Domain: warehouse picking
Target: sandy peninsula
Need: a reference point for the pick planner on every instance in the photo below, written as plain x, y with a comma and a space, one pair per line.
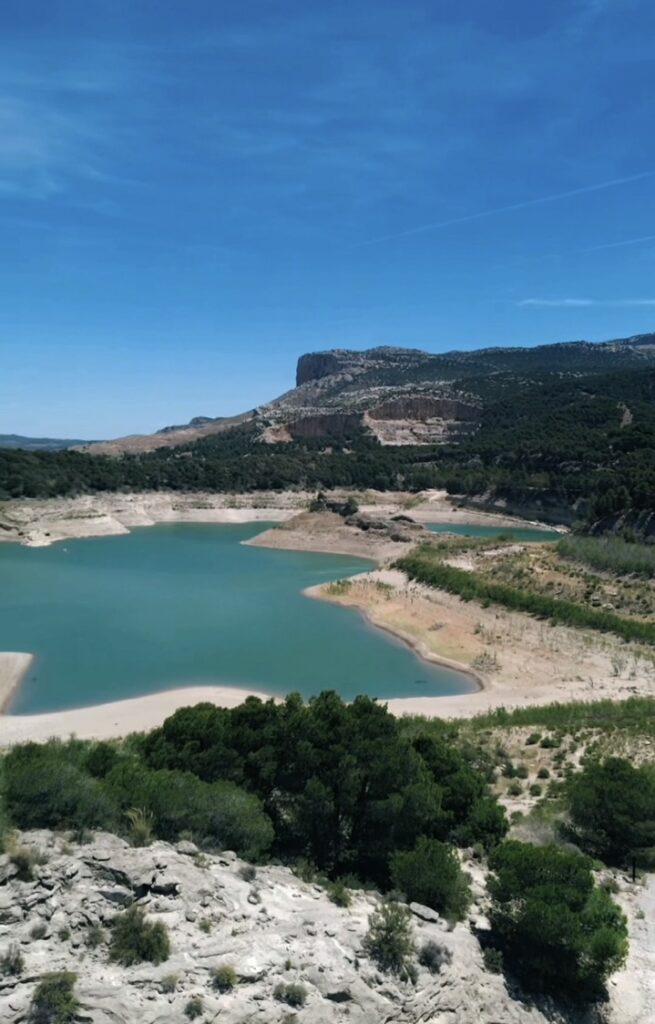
518, 660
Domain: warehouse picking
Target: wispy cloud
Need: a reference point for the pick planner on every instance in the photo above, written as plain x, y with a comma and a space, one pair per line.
573, 303
510, 207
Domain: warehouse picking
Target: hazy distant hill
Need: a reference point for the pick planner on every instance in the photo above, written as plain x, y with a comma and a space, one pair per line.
38, 444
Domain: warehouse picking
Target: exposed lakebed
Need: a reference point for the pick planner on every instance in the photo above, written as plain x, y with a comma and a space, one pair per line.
177, 605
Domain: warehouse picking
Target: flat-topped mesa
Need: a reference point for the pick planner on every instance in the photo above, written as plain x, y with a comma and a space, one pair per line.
316, 365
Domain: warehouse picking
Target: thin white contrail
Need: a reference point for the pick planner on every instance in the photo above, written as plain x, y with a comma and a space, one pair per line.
618, 245
506, 209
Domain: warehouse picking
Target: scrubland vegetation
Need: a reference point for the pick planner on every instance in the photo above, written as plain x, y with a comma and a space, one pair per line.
353, 797
533, 581
609, 554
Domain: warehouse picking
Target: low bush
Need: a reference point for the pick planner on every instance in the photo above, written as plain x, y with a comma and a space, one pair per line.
135, 939
54, 1000
389, 939
95, 936
24, 859
195, 1007
434, 957
224, 977
339, 894
12, 961
493, 960
39, 930
292, 993
140, 826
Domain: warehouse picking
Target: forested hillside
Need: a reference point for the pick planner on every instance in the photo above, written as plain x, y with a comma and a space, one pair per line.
579, 439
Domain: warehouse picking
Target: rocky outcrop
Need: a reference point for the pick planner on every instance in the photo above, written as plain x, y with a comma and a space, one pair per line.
272, 928
529, 504
327, 425
425, 407
316, 365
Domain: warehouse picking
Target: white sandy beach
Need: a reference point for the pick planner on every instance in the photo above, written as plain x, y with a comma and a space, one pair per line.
13, 666
119, 718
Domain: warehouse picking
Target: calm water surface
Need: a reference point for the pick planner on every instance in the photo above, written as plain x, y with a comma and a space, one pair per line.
177, 605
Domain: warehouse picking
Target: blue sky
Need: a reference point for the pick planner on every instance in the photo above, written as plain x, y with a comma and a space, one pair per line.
192, 194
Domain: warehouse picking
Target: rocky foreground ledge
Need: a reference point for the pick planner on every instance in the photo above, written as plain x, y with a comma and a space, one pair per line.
268, 925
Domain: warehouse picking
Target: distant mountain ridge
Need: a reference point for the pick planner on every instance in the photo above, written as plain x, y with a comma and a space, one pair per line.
39, 444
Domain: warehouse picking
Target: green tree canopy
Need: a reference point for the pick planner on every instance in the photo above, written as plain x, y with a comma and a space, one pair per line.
612, 807
559, 931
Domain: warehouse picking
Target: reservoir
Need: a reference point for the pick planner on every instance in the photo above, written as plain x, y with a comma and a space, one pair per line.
180, 605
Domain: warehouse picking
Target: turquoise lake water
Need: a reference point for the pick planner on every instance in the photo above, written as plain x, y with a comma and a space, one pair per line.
517, 532
176, 605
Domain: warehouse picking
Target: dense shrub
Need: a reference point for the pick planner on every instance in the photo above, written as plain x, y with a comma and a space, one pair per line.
46, 786
135, 939
342, 786
558, 931
54, 1000
430, 874
612, 807
218, 813
389, 939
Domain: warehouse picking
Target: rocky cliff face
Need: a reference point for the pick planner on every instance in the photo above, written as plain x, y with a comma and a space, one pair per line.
428, 396
271, 929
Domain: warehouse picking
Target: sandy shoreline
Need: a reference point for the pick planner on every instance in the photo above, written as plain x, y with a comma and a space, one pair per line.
519, 660
319, 593
117, 718
13, 667
37, 522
